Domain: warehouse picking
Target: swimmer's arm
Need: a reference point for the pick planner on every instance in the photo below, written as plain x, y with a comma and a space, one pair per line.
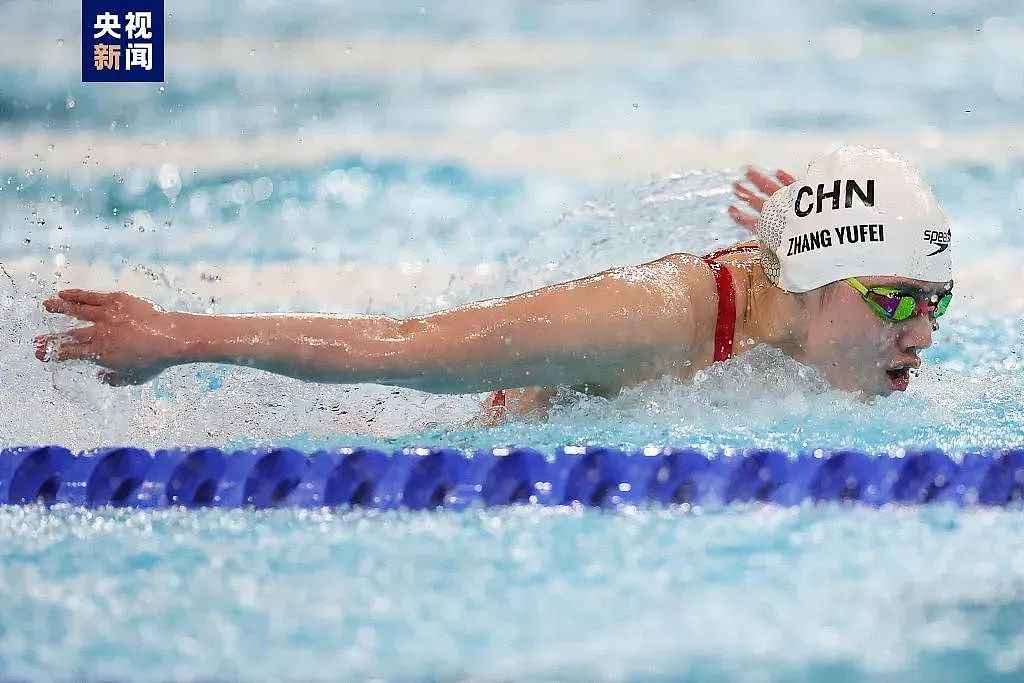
622, 322
596, 329
604, 329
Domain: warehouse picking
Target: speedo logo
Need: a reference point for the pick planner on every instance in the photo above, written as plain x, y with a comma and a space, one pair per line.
937, 238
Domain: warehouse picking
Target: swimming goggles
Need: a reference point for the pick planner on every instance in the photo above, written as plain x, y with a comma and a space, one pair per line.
895, 304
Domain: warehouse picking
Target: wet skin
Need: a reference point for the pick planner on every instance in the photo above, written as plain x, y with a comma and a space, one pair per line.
602, 332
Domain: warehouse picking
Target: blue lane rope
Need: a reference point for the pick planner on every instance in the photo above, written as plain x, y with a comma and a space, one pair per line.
431, 478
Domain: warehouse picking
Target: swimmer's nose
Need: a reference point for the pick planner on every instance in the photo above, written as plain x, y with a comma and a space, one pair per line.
915, 333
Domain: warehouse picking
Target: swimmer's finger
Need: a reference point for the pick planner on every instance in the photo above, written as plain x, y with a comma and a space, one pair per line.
74, 351
762, 182
785, 177
755, 200
75, 310
46, 343
75, 334
85, 296
747, 220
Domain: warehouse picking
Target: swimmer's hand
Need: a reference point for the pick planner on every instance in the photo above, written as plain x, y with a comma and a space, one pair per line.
131, 338
766, 186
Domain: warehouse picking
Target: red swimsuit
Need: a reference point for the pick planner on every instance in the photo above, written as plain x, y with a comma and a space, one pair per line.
725, 326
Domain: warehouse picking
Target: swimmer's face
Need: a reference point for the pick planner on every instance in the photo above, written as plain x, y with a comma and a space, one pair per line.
858, 351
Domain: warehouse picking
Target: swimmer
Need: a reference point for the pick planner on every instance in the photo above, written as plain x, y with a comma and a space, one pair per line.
850, 270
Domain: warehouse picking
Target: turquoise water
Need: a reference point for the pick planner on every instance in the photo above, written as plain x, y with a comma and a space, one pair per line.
751, 594
403, 157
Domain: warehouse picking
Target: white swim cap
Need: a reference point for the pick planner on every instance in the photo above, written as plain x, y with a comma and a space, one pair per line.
857, 211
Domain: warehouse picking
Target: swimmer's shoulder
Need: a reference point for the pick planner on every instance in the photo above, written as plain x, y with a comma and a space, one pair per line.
686, 273
692, 286
693, 270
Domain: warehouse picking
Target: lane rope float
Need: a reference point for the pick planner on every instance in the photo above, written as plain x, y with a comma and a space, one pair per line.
450, 478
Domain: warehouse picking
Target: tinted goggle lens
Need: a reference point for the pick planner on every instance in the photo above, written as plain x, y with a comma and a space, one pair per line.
898, 306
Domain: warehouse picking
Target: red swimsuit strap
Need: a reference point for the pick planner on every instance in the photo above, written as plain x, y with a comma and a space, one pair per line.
734, 249
725, 327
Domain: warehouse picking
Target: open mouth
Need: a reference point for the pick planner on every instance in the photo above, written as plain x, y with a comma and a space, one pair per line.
899, 378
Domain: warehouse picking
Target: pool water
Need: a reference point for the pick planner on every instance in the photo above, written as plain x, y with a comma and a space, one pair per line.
406, 157
748, 594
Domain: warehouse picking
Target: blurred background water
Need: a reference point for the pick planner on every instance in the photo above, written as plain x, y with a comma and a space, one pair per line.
403, 157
